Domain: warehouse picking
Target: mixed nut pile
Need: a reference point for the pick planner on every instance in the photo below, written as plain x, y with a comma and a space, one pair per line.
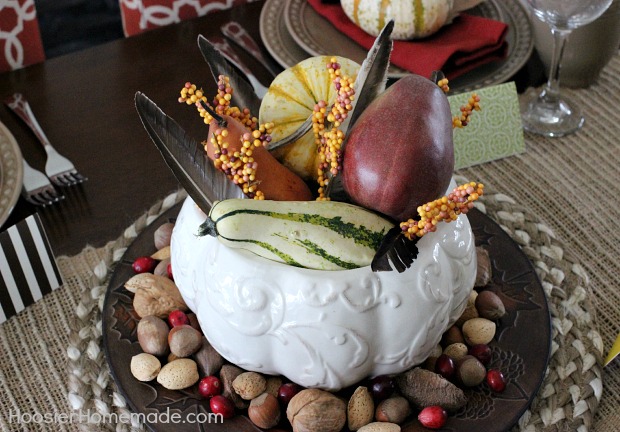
169, 333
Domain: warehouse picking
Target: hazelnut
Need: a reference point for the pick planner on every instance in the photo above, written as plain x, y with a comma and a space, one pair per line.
394, 410
264, 411
313, 410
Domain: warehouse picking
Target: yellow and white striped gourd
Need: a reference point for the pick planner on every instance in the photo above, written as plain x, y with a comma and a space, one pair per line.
290, 101
322, 235
412, 18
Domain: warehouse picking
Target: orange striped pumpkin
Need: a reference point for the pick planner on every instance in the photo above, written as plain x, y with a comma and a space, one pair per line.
290, 101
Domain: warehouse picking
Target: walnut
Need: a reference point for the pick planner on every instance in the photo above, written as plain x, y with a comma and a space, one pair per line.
155, 295
314, 410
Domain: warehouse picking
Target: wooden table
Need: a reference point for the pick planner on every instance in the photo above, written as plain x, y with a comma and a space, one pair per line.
84, 102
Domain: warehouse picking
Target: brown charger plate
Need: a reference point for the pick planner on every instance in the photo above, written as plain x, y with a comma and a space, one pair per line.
521, 348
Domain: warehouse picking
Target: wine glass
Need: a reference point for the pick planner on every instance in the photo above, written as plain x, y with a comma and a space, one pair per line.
546, 113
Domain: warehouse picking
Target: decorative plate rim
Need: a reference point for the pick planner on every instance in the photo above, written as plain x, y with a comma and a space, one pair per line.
11, 172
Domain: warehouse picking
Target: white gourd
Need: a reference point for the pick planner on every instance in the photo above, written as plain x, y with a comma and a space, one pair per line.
413, 19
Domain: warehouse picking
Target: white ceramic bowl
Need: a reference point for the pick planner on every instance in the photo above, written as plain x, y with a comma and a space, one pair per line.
324, 329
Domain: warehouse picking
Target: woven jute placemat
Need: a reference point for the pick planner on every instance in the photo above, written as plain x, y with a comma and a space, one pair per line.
569, 396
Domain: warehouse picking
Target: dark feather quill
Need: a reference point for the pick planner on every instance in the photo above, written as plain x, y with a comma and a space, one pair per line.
397, 249
243, 95
204, 183
372, 77
370, 83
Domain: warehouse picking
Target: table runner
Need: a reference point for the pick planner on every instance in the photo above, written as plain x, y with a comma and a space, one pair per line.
560, 192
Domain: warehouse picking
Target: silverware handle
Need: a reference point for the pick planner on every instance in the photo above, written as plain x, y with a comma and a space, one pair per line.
234, 31
20, 106
229, 54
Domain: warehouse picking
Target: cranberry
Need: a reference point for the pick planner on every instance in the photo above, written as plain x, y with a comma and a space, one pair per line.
433, 417
209, 386
482, 352
287, 391
144, 264
382, 387
445, 366
222, 405
169, 271
496, 380
177, 318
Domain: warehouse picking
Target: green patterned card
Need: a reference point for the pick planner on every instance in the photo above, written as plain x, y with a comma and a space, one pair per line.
495, 132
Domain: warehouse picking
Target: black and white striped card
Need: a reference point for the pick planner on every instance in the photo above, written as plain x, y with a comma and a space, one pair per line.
28, 269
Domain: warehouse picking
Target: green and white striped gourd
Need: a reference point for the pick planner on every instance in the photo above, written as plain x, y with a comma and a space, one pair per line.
322, 235
412, 18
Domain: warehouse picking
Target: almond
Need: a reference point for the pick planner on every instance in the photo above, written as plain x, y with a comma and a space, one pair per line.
360, 409
145, 367
162, 254
380, 427
456, 350
478, 331
249, 385
178, 374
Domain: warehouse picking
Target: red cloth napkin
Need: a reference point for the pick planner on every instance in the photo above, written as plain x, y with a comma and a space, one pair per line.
468, 42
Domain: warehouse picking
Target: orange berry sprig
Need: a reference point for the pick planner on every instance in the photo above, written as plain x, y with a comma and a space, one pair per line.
473, 104
443, 84
239, 166
329, 142
444, 209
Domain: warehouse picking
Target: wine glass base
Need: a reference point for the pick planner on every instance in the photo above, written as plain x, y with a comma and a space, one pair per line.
550, 119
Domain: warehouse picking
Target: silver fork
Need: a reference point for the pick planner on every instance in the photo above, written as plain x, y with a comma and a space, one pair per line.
58, 168
37, 189
235, 32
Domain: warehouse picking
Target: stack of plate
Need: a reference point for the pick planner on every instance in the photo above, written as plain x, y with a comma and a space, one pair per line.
292, 31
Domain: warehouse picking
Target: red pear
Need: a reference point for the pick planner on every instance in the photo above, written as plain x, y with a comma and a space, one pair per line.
400, 154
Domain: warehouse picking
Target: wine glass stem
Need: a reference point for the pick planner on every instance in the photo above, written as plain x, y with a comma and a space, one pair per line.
551, 92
